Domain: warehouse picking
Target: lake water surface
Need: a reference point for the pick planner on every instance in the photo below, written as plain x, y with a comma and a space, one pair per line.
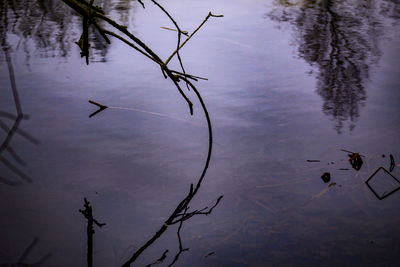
288, 81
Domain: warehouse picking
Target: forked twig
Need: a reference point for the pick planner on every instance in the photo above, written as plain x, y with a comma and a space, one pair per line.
191, 35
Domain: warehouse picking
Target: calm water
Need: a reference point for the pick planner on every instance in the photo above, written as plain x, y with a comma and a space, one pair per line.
289, 81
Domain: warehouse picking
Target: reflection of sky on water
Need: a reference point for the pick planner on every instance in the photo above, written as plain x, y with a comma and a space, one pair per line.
267, 122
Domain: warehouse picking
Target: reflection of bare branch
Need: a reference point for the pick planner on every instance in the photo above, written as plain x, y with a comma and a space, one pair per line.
15, 156
90, 16
160, 260
204, 211
181, 249
28, 250
15, 170
21, 132
140, 1
7, 115
179, 213
10, 133
8, 182
5, 145
42, 259
22, 258
180, 32
12, 81
191, 35
88, 213
27, 136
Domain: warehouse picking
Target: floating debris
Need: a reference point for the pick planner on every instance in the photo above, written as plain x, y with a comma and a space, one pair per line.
344, 169
209, 254
385, 193
326, 177
101, 108
313, 160
351, 152
330, 186
392, 163
356, 161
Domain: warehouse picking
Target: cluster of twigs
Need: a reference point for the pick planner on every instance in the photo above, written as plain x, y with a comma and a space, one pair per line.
91, 16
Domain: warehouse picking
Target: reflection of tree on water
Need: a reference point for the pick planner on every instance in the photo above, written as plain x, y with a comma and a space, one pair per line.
43, 23
5, 146
22, 259
48, 26
340, 38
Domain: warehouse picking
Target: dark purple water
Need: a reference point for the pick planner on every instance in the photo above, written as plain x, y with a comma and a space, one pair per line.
288, 82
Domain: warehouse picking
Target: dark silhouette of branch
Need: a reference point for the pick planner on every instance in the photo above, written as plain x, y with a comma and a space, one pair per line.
19, 131
90, 16
140, 1
160, 260
185, 216
28, 250
180, 32
12, 80
15, 170
8, 182
191, 35
177, 215
101, 108
181, 249
7, 115
85, 10
88, 213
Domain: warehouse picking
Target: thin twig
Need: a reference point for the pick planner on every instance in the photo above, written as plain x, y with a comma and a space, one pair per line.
140, 1
179, 35
191, 35
130, 44
181, 249
160, 260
